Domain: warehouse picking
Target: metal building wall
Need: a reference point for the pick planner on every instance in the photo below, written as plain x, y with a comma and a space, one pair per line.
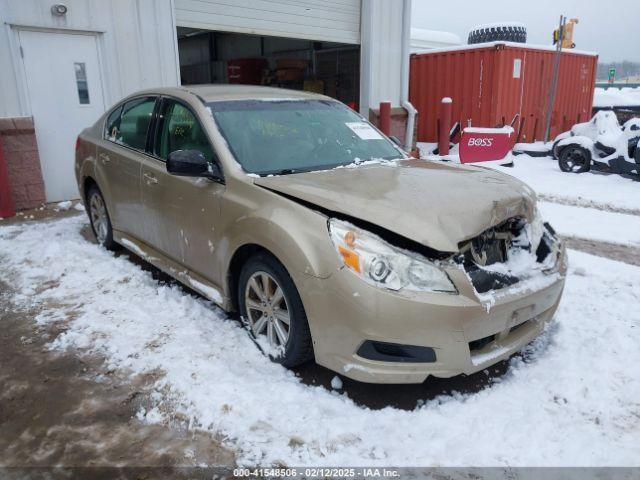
381, 53
486, 88
375, 24
136, 42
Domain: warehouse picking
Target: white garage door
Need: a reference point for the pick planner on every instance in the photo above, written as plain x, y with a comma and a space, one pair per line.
331, 21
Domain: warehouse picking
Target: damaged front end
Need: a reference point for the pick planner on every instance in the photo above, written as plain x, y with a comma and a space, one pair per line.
519, 253
508, 253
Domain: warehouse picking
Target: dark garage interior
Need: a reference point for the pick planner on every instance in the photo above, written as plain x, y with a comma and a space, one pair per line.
328, 68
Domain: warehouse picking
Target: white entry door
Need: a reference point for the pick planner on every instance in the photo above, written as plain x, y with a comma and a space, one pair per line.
66, 96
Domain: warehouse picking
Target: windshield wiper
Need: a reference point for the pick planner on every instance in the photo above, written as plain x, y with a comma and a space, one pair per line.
286, 171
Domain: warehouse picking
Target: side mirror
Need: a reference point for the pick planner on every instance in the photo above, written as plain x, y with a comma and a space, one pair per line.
191, 163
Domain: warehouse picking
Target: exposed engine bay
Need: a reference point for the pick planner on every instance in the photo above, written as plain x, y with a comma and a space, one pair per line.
509, 252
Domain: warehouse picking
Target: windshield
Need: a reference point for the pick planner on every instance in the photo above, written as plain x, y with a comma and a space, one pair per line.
293, 135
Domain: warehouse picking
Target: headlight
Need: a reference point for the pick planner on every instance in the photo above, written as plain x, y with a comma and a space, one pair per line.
381, 264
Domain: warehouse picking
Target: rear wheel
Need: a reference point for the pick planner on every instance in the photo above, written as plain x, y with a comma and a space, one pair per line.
575, 159
272, 311
99, 217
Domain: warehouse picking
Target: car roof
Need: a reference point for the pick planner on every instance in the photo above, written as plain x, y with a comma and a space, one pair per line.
220, 93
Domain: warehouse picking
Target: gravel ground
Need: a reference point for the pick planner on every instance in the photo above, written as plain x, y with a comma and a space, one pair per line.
63, 409
612, 251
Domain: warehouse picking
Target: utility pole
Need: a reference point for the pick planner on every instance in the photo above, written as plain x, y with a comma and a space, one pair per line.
554, 81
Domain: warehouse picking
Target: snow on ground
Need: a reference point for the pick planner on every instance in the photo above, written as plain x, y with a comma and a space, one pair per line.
533, 147
592, 224
573, 399
584, 189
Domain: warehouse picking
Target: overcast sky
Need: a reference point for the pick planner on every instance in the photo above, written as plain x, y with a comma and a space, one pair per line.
609, 27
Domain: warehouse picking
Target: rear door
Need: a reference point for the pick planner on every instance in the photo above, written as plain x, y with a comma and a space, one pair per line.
119, 163
181, 213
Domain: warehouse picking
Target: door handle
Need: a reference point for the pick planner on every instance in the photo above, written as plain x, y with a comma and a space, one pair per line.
105, 158
150, 179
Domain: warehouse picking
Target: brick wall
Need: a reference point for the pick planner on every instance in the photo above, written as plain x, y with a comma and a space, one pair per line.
398, 123
20, 152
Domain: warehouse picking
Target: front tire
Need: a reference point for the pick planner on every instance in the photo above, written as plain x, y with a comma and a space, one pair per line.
574, 159
99, 218
271, 308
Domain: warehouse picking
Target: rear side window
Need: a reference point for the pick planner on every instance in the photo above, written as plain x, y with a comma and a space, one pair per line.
128, 125
112, 125
180, 130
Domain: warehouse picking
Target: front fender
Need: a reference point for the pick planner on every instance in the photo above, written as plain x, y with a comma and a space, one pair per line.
297, 235
579, 140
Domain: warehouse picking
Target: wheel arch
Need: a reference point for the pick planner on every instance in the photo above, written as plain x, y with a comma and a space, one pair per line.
238, 259
301, 246
87, 183
576, 141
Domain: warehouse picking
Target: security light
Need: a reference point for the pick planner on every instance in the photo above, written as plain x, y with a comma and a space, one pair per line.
59, 9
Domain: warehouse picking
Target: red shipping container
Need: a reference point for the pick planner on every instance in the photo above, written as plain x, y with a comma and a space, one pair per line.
491, 83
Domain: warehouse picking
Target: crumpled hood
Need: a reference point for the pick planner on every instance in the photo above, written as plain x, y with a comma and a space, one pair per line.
436, 204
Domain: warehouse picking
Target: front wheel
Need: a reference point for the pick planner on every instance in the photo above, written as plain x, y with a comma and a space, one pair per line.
575, 159
272, 311
99, 217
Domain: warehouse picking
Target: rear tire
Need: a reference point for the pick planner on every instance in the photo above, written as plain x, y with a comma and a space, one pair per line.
267, 300
574, 159
99, 218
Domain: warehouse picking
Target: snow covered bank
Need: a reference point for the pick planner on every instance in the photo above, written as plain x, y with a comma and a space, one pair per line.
572, 401
592, 224
616, 97
585, 189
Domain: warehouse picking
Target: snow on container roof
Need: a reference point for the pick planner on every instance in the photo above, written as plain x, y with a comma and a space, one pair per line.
528, 46
425, 40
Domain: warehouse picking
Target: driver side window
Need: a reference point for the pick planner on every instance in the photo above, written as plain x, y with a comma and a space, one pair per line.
179, 129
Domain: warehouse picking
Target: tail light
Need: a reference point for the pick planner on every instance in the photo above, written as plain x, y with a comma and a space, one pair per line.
78, 143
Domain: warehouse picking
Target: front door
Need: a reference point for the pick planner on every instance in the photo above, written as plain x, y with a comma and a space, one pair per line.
65, 92
181, 212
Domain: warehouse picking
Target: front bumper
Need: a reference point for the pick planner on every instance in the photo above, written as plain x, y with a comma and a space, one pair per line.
467, 334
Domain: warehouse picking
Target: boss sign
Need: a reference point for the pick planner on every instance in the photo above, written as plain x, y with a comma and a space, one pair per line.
485, 144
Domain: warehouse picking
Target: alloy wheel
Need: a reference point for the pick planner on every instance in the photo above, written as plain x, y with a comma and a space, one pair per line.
99, 218
576, 160
267, 310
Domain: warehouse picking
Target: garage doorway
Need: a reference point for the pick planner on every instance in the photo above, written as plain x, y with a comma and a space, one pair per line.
329, 68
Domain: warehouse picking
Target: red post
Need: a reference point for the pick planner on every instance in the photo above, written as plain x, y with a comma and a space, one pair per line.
385, 118
445, 126
7, 207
